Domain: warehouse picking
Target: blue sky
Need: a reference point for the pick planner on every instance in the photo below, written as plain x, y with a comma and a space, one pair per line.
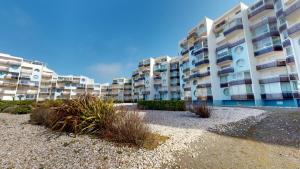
100, 38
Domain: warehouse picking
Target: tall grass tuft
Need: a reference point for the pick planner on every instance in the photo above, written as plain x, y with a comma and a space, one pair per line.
203, 110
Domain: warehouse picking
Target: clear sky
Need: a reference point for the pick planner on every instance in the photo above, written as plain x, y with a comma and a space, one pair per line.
101, 39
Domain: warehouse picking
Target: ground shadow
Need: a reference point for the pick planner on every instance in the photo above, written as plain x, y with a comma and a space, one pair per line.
280, 126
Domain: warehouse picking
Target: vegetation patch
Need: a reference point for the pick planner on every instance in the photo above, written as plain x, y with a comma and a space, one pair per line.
170, 105
93, 116
203, 110
16, 107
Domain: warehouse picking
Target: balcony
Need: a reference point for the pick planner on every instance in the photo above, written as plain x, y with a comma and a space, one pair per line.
293, 8
293, 29
247, 96
261, 36
240, 82
202, 62
278, 63
286, 43
226, 71
184, 70
268, 50
199, 50
184, 51
157, 78
260, 7
277, 96
174, 75
4, 68
268, 20
199, 75
160, 68
276, 79
206, 85
232, 26
225, 58
290, 59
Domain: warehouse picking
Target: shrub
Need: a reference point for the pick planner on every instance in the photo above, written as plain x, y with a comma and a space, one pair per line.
17, 109
129, 127
43, 116
52, 103
203, 111
23, 104
23, 109
170, 105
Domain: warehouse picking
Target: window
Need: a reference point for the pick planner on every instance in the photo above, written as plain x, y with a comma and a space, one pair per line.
240, 63
289, 51
223, 79
238, 50
294, 85
226, 92
285, 87
262, 89
36, 70
248, 88
223, 52
195, 82
193, 62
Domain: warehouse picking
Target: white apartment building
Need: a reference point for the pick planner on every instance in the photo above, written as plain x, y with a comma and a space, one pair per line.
248, 56
119, 90
22, 79
157, 79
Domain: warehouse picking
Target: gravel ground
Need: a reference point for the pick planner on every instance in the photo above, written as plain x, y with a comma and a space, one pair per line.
268, 141
28, 146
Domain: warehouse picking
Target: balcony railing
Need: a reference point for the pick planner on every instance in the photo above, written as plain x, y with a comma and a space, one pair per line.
199, 75
232, 26
292, 8
225, 58
277, 63
202, 61
290, 59
199, 50
184, 51
259, 7
226, 71
275, 79
294, 29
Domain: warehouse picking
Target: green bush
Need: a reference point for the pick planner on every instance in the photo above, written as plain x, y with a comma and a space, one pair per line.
6, 104
17, 109
171, 105
23, 109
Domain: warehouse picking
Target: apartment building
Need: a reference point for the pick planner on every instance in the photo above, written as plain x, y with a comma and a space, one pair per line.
248, 56
120, 90
157, 79
175, 79
142, 80
195, 63
22, 79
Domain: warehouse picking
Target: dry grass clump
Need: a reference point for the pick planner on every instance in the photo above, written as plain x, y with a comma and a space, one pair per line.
203, 111
91, 115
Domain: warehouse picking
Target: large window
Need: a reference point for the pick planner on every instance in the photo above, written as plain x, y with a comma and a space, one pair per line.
267, 42
224, 79
285, 87
223, 52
